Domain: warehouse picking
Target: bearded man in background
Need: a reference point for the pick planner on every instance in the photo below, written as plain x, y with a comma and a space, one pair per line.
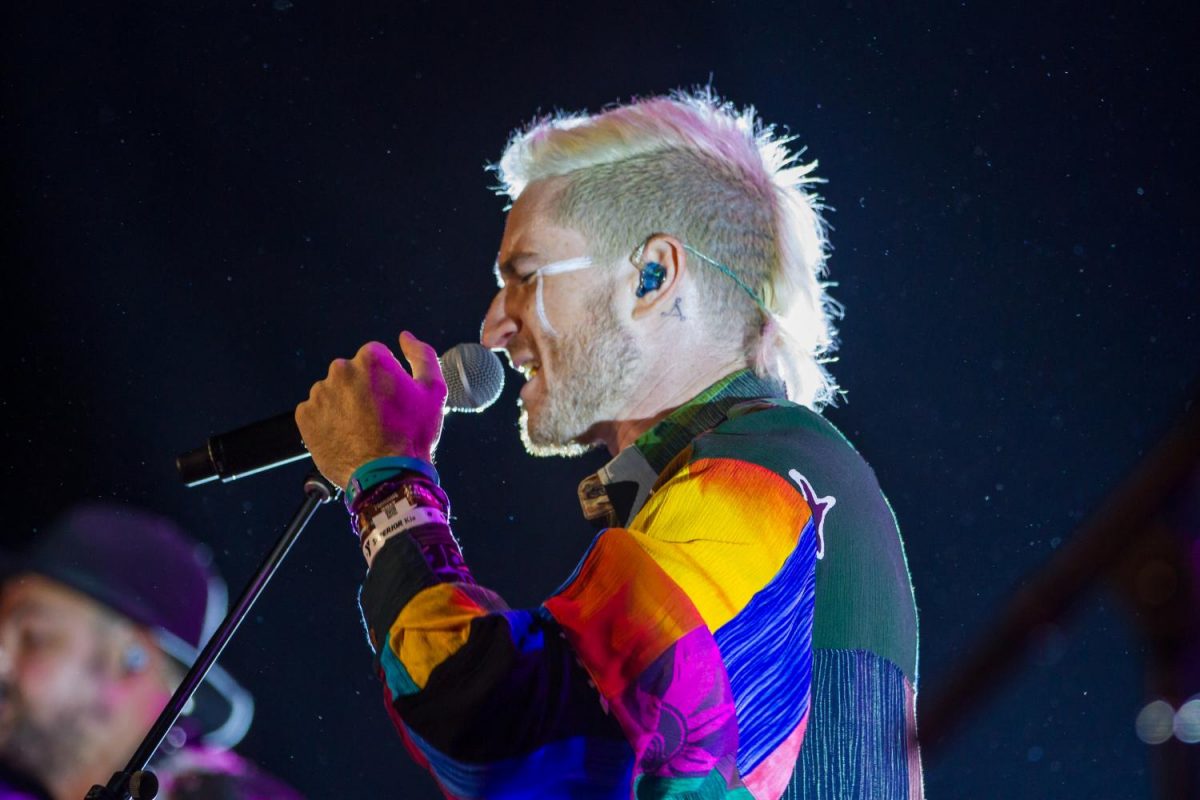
99, 620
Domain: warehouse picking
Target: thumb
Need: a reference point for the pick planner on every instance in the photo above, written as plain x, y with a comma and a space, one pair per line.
422, 361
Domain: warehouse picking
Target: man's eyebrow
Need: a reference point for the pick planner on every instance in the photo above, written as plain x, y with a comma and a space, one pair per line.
27, 609
508, 267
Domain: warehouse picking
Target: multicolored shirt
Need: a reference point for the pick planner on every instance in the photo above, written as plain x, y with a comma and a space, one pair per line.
742, 627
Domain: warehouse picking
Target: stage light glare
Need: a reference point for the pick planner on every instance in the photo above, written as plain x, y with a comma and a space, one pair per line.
1187, 722
1155, 722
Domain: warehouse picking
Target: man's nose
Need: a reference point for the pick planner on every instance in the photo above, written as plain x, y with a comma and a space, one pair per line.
498, 325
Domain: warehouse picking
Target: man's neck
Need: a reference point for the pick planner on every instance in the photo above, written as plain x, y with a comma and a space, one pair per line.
664, 392
627, 431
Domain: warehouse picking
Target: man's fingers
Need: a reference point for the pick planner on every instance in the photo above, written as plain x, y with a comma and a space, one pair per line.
422, 360
374, 353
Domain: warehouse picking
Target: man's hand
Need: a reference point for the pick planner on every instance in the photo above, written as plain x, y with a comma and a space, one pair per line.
369, 407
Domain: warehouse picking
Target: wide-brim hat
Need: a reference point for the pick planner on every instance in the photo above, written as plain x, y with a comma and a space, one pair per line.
143, 567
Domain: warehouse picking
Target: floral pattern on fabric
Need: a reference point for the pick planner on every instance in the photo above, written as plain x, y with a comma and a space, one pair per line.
680, 712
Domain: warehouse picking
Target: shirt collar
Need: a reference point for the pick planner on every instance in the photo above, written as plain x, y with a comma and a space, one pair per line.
618, 490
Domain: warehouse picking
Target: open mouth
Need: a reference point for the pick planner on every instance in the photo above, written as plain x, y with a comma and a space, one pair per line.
530, 369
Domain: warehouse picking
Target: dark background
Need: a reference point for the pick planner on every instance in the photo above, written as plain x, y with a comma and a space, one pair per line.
209, 201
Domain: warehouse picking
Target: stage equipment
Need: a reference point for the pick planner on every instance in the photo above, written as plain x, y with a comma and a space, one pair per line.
650, 279
474, 379
1144, 541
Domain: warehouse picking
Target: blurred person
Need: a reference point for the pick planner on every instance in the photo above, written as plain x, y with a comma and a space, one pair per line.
99, 621
209, 773
744, 623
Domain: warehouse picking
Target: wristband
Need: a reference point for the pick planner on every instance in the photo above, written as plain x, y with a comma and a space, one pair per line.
378, 470
396, 517
410, 505
408, 488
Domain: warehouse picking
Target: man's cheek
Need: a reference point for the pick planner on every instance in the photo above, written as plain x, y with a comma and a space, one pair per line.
43, 692
8, 712
16, 715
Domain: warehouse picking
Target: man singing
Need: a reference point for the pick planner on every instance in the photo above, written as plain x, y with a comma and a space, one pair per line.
744, 624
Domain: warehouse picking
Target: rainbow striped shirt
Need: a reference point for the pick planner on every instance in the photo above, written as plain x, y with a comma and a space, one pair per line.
743, 627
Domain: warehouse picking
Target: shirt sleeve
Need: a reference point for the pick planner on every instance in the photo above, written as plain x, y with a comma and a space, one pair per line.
490, 700
617, 680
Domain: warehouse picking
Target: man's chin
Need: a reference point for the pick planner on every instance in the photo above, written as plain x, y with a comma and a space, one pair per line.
27, 750
544, 444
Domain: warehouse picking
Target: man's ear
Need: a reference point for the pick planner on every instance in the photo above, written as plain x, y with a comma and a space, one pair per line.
134, 648
662, 267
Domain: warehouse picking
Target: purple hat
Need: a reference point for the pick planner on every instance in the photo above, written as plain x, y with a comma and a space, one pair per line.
145, 568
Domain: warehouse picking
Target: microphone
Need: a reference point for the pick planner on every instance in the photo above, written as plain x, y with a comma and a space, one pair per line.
474, 379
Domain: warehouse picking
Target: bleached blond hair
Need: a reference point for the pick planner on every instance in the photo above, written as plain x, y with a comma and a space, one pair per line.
724, 183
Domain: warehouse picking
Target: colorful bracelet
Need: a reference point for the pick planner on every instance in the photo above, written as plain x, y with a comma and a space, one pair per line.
379, 470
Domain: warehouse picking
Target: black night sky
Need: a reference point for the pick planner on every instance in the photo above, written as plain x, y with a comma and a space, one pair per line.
210, 201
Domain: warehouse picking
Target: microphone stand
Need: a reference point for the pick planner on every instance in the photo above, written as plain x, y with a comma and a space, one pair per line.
139, 783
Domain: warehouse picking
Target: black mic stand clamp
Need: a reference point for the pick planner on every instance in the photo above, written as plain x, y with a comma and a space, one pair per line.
139, 783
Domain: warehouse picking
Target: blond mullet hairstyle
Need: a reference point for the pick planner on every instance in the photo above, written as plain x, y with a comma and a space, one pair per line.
717, 178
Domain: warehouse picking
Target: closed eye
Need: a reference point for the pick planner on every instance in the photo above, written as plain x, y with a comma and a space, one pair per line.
506, 271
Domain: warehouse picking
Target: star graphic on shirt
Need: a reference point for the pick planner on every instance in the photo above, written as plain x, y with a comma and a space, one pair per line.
820, 507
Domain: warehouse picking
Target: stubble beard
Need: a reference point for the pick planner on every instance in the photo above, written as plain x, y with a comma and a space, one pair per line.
595, 369
45, 749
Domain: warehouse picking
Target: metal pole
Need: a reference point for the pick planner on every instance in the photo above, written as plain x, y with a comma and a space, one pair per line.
135, 780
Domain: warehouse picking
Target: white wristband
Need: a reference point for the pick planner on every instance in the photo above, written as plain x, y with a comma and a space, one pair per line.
395, 517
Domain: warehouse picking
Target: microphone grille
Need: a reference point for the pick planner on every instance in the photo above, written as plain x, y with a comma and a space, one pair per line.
474, 377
